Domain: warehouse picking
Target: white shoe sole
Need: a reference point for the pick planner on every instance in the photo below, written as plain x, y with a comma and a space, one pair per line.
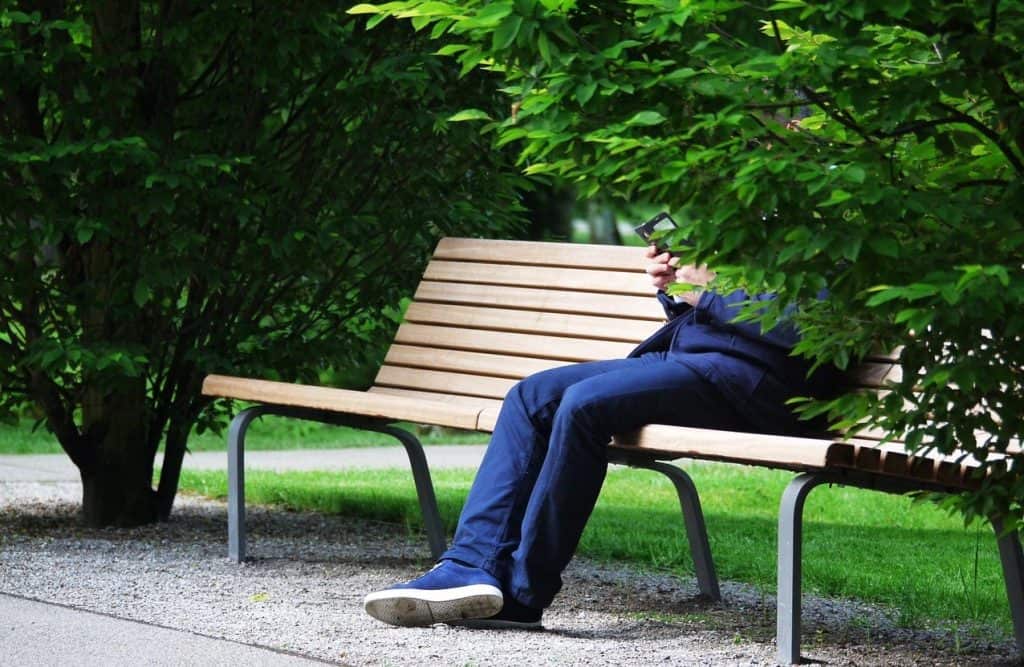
418, 607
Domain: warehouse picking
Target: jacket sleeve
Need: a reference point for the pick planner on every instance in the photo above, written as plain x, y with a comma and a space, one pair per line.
722, 310
673, 308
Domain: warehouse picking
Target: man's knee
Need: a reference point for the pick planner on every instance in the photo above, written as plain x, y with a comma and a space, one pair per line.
534, 392
580, 405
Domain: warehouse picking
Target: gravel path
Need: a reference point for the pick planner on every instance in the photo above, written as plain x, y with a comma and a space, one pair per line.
303, 593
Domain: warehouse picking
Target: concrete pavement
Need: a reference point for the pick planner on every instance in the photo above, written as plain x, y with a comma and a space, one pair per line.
39, 633
43, 634
58, 467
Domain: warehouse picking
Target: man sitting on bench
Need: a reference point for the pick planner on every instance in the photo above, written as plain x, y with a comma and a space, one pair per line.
547, 458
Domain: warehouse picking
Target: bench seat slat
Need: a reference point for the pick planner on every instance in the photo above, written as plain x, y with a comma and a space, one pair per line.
515, 275
458, 399
402, 408
539, 253
546, 300
787, 452
551, 324
478, 363
458, 383
544, 347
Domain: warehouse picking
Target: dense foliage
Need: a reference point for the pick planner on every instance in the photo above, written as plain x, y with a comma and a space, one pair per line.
873, 148
189, 188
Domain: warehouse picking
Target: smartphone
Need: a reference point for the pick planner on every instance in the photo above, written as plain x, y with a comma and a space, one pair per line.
653, 231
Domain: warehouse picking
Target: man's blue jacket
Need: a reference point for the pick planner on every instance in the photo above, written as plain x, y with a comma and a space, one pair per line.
754, 370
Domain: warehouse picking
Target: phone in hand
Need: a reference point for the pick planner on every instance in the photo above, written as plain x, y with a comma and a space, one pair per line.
653, 231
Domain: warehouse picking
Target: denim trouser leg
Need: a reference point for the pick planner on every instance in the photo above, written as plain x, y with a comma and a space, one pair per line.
547, 458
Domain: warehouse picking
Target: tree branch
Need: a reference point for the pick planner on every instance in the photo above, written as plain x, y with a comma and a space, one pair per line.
988, 132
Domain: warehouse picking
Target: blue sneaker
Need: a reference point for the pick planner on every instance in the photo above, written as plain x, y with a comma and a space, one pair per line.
513, 616
449, 592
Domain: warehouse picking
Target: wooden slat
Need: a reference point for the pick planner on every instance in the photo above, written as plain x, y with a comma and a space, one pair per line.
776, 451
515, 275
478, 363
892, 460
527, 321
488, 419
477, 402
791, 453
545, 347
341, 400
582, 255
551, 300
442, 381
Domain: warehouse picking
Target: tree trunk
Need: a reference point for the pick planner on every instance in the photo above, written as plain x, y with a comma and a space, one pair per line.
117, 478
603, 227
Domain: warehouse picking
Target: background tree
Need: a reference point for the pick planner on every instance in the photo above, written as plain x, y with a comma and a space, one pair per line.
189, 188
875, 148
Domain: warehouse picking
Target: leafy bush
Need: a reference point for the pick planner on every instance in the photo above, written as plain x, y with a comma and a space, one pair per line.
873, 148
227, 187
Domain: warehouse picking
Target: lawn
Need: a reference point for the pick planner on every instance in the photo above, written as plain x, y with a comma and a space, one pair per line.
913, 558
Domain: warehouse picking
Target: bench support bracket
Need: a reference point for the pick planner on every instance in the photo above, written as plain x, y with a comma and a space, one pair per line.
236, 470
693, 519
1013, 575
790, 546
791, 509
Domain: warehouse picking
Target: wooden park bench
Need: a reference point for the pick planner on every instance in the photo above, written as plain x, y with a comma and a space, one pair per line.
488, 313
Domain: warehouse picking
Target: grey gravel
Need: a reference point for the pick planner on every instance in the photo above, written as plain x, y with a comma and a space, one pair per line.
302, 594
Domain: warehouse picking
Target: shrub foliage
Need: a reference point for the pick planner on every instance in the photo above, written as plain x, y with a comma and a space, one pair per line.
190, 188
873, 148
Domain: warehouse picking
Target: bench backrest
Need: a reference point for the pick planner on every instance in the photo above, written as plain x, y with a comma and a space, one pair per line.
487, 313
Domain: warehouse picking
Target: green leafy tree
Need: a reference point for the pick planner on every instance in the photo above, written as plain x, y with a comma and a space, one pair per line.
873, 148
189, 188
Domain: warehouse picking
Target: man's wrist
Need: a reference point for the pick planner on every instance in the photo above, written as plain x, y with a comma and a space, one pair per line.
689, 298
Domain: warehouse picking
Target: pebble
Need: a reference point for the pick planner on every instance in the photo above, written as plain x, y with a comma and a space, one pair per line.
303, 590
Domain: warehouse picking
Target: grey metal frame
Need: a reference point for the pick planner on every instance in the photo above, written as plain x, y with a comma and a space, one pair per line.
693, 520
236, 469
790, 546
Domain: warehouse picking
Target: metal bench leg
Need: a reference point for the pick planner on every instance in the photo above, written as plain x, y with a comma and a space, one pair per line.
696, 531
789, 573
1013, 574
424, 489
236, 481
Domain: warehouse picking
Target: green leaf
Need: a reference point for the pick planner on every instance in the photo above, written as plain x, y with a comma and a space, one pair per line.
469, 114
506, 32
142, 293
585, 91
489, 16
645, 118
837, 196
451, 49
884, 245
364, 8
544, 47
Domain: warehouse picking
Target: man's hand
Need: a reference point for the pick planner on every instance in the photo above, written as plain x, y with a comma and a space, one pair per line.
664, 271
662, 268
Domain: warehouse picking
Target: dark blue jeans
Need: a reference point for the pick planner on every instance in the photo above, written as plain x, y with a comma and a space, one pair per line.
547, 458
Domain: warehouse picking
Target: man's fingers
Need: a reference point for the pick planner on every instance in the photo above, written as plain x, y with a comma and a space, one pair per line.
659, 269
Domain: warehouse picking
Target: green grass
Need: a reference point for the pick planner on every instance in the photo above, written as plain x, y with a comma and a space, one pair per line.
857, 544
268, 433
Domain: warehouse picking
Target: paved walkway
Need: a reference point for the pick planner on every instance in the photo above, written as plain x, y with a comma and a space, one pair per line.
40, 633
58, 467
45, 634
